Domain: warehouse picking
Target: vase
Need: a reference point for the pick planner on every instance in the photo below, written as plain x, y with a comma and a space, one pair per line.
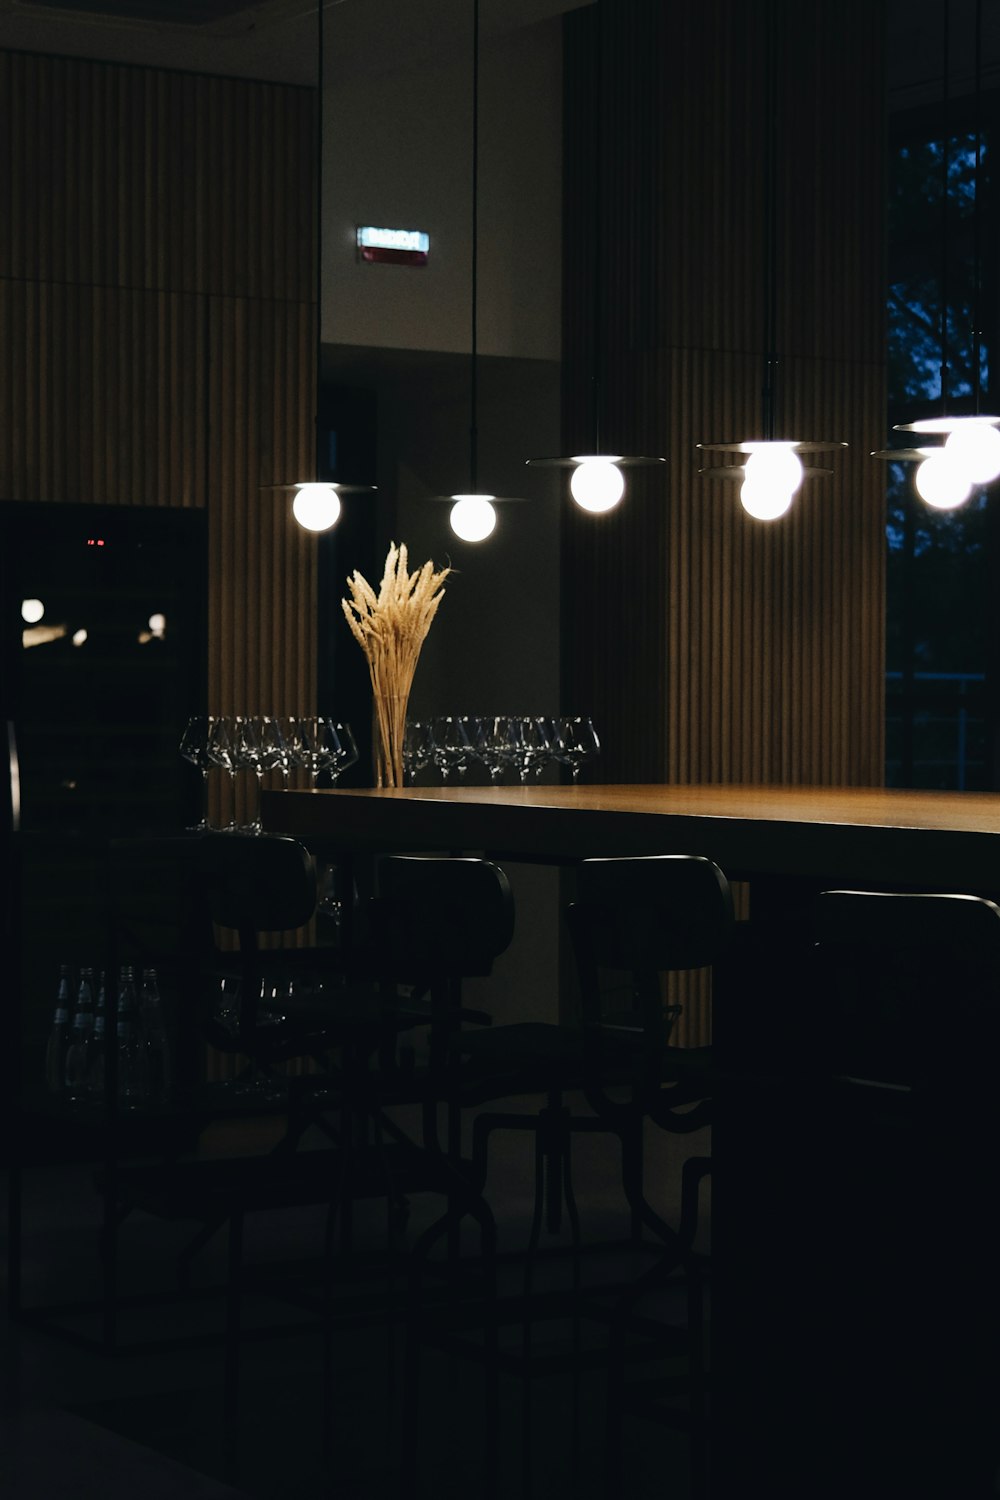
388, 731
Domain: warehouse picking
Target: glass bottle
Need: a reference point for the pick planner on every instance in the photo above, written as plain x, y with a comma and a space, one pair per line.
131, 1070
95, 1076
80, 1049
58, 1042
153, 1037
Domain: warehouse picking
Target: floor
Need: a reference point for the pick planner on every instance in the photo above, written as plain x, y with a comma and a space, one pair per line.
78, 1423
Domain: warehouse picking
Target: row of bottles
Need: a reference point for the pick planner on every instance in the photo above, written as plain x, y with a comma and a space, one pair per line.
76, 1054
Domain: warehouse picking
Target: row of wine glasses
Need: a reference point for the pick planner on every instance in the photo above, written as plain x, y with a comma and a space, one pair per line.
262, 743
520, 743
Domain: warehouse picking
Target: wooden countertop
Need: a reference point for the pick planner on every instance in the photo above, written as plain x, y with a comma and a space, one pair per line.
944, 840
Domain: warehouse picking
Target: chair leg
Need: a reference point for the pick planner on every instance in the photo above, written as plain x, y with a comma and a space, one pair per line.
632, 1144
648, 1282
534, 1237
643, 1215
577, 1286
194, 1247
693, 1174
700, 1445
475, 1205
15, 1204
234, 1298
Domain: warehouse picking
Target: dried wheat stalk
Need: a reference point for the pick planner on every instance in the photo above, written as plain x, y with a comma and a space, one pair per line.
390, 627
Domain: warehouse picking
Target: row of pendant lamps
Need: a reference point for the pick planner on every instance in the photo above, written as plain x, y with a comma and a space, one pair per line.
770, 471
770, 477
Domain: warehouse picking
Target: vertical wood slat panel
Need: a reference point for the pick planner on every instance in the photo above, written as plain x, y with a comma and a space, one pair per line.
157, 321
765, 643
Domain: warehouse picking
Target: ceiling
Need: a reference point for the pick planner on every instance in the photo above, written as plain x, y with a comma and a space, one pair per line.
273, 39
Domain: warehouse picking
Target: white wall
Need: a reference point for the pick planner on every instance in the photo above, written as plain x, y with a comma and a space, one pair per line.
397, 153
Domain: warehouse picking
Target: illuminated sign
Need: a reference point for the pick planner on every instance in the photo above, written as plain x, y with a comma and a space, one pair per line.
400, 247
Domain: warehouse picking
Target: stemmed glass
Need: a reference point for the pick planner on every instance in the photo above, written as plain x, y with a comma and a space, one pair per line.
451, 748
290, 730
529, 744
223, 739
418, 748
262, 749
194, 747
473, 729
327, 746
495, 746
345, 752
576, 741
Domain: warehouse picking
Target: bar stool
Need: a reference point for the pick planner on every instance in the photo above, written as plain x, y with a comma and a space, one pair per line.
900, 1307
638, 917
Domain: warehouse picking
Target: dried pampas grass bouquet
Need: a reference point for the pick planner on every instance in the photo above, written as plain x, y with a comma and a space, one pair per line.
390, 627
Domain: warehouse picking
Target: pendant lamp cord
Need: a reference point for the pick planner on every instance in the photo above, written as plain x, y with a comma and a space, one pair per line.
770, 221
945, 162
598, 226
976, 243
319, 231
474, 346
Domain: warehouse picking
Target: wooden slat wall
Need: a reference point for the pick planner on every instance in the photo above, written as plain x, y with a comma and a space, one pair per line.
708, 646
157, 328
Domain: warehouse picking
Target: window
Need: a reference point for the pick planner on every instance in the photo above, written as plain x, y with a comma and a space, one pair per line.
940, 710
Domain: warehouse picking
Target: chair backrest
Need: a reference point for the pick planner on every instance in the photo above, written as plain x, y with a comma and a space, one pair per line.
635, 921
256, 883
440, 917
658, 913
646, 917
908, 984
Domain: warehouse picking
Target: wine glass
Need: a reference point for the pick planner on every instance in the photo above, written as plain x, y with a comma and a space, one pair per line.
327, 746
529, 745
222, 750
495, 746
194, 747
344, 749
263, 749
576, 741
549, 730
473, 728
290, 729
418, 748
451, 748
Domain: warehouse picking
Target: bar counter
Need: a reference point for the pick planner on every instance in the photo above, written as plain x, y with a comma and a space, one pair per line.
943, 840
855, 1305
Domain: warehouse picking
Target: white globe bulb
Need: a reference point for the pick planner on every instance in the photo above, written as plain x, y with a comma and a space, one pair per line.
765, 502
473, 517
32, 611
975, 447
775, 466
316, 507
943, 483
596, 484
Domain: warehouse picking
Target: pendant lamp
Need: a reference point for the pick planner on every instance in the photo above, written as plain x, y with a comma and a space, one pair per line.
948, 473
473, 514
316, 506
773, 470
597, 483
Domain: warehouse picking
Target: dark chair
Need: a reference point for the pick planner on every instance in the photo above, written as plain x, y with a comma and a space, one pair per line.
253, 885
897, 1305
635, 922
639, 917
